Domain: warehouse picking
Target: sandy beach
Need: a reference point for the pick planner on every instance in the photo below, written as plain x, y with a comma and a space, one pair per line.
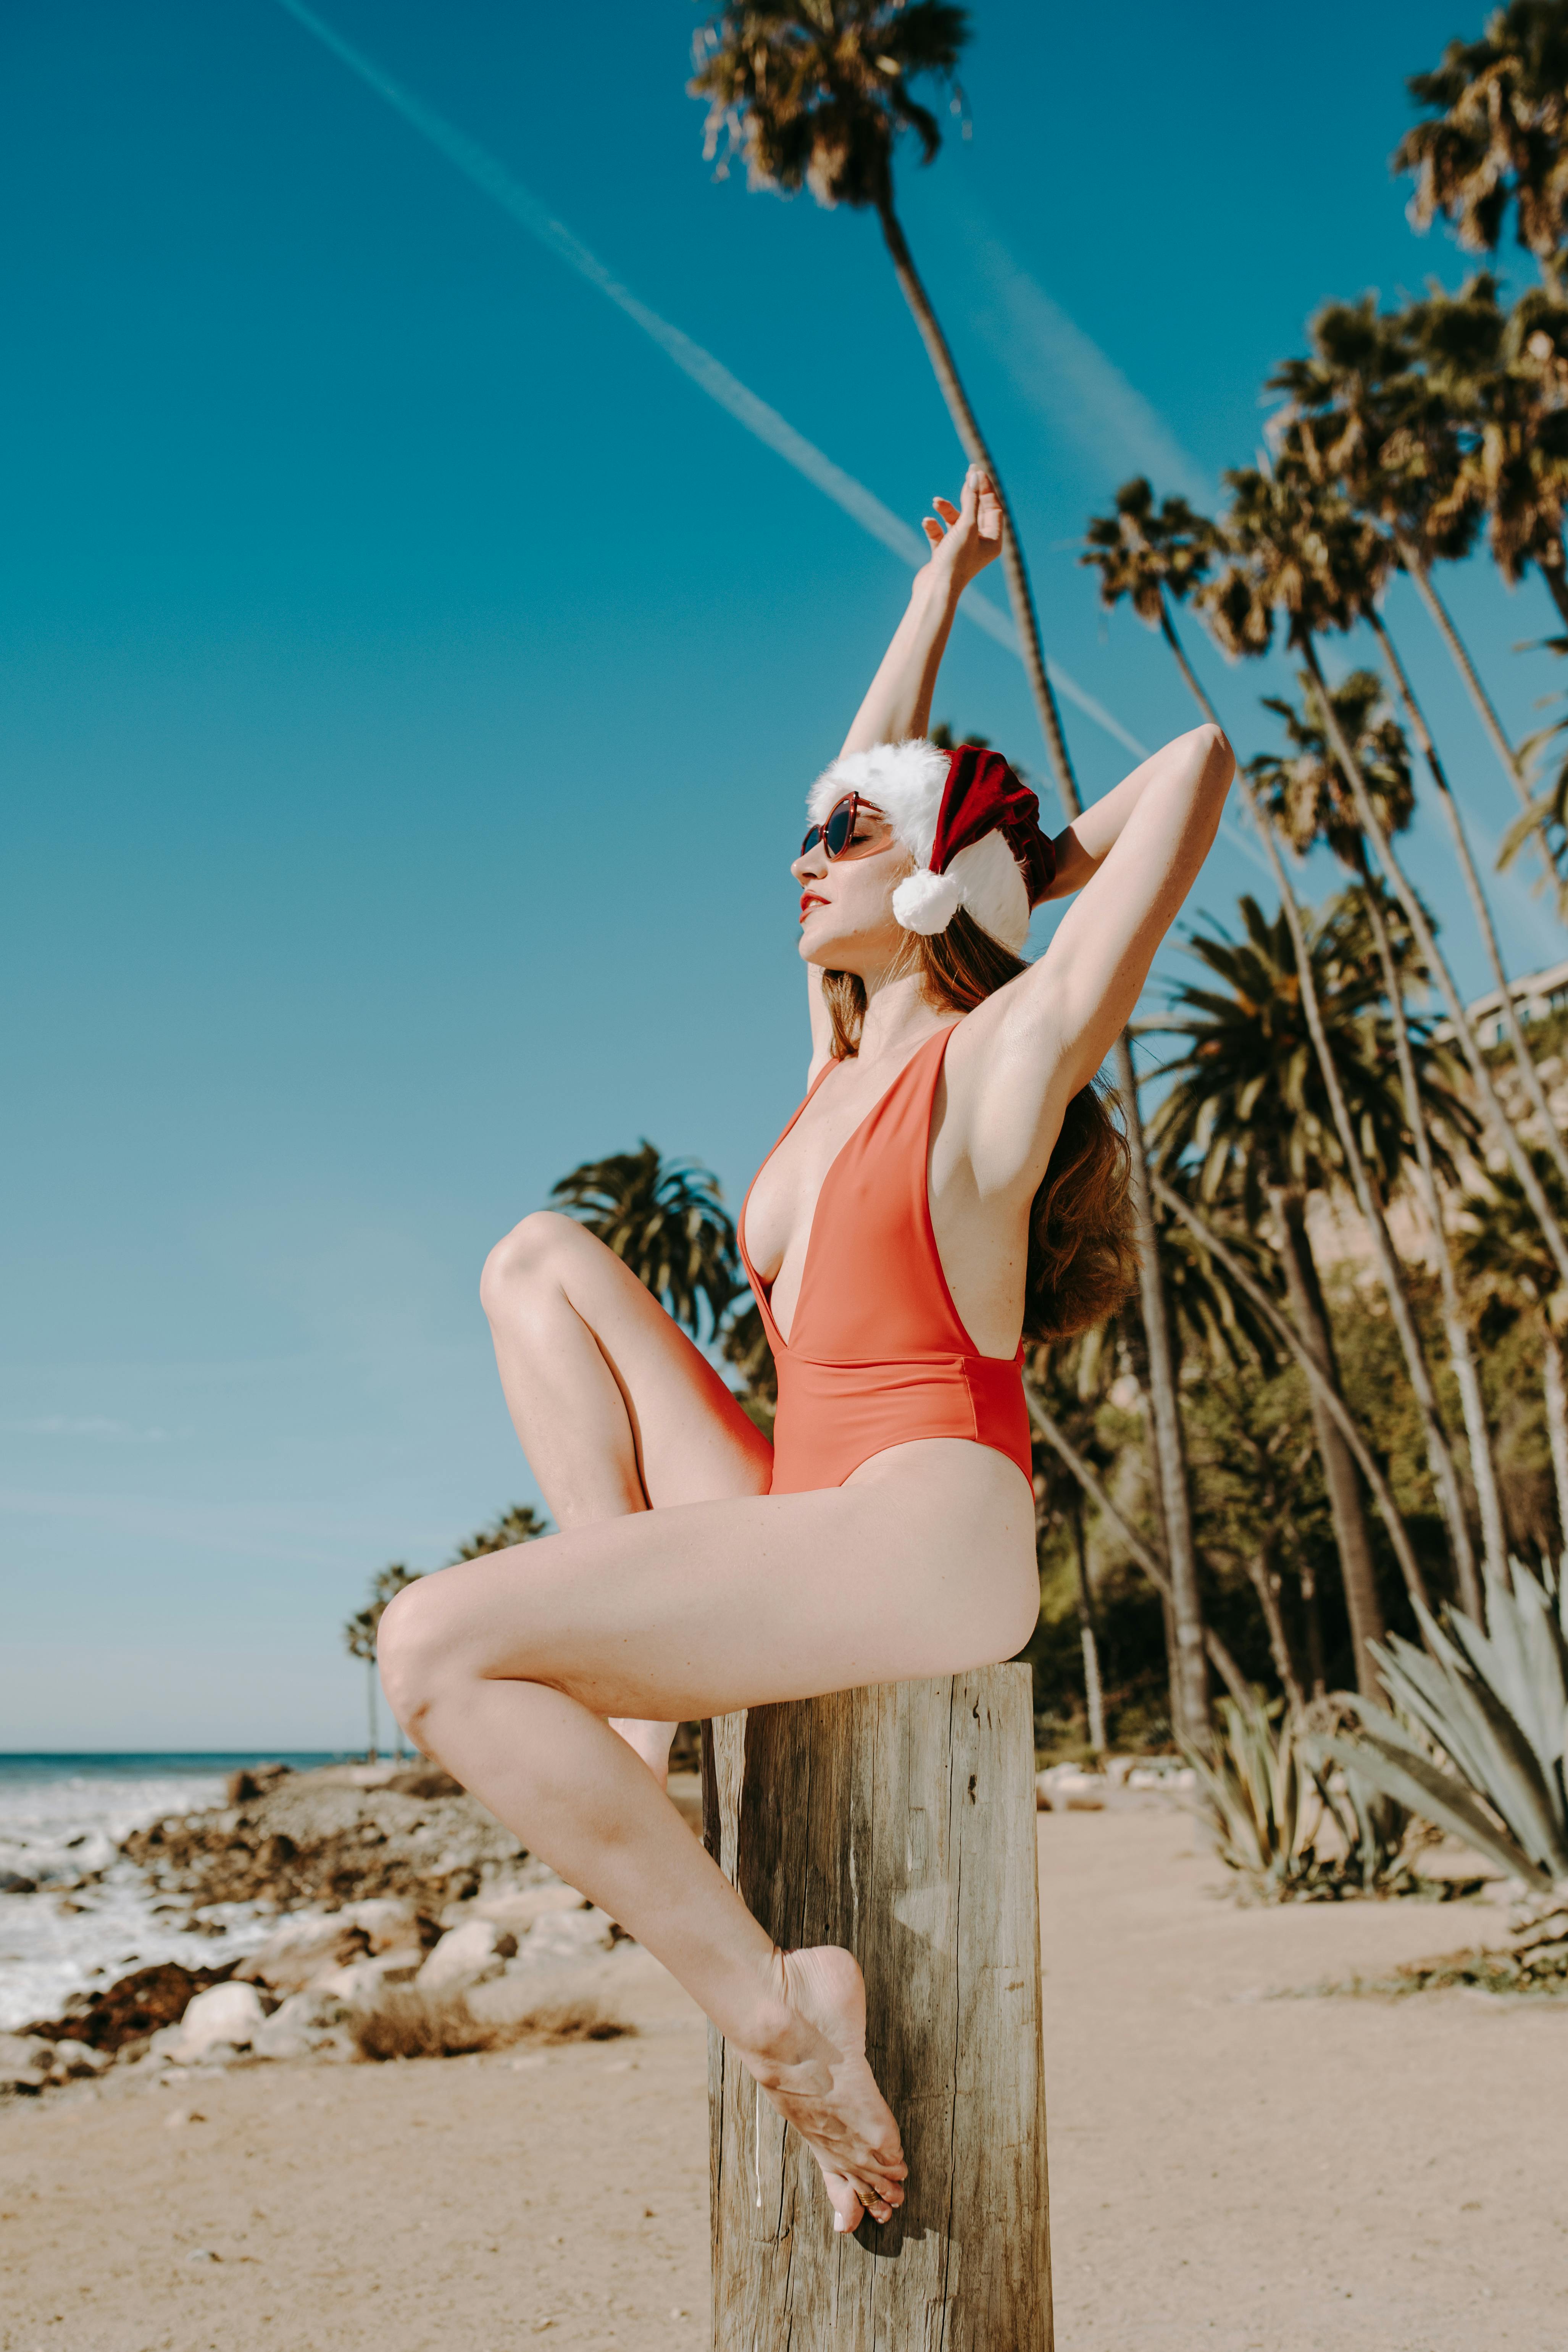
1228, 2169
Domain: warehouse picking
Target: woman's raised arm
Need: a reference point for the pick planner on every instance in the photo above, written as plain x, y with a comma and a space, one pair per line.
968, 538
1132, 857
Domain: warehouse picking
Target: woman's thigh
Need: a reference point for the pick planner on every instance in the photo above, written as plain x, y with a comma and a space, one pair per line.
691, 1440
701, 1608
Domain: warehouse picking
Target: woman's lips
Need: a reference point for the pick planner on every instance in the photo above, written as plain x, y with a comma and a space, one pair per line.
809, 899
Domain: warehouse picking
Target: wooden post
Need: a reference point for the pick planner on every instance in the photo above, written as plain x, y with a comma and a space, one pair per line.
900, 1822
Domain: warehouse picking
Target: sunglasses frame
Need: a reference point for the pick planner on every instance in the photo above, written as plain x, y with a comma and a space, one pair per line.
854, 803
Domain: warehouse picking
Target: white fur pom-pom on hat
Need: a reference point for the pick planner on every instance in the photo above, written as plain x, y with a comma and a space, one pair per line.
927, 902
971, 828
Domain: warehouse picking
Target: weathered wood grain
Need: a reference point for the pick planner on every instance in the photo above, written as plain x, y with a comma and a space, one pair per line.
899, 1820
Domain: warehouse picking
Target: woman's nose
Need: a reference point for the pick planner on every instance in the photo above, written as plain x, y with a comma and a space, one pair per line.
809, 866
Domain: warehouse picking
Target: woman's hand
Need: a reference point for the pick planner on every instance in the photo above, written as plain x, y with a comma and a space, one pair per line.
965, 539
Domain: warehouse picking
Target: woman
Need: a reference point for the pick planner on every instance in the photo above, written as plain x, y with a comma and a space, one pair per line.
949, 1168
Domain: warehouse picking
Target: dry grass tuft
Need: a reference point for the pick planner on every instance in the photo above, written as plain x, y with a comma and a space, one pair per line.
407, 2023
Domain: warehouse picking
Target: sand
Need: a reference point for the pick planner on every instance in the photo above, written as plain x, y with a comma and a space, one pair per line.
1228, 2169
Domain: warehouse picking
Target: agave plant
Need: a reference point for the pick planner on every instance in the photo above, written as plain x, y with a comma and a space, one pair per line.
1495, 1705
1269, 1793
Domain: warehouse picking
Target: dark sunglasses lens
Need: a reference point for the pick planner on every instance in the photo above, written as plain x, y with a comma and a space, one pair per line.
840, 825
812, 838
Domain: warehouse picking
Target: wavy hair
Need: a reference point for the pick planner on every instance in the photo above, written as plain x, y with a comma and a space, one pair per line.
1083, 1249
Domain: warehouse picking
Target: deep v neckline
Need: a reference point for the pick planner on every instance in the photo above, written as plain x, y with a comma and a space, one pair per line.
764, 1291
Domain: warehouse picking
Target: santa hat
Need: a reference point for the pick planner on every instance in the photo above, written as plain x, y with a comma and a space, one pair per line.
971, 828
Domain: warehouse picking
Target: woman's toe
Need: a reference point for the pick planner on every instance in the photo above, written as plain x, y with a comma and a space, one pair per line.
847, 2208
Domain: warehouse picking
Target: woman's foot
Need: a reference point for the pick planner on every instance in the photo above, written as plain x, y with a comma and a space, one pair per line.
651, 1742
813, 2069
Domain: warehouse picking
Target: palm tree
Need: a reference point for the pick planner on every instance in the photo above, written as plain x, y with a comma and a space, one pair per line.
1368, 418
360, 1633
665, 1220
1502, 1252
1360, 418
1309, 797
1249, 1099
817, 93
1495, 136
520, 1525
1501, 375
1070, 1383
1298, 549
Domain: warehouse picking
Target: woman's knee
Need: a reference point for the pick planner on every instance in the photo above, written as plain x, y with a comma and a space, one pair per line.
535, 1252
416, 1652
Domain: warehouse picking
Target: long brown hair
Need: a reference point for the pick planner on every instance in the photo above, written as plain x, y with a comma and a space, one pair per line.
1083, 1251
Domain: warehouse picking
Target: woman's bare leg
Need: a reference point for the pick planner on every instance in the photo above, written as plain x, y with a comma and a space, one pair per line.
614, 1408
507, 1667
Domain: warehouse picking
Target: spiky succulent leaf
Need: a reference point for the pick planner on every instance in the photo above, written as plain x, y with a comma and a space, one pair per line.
1413, 1780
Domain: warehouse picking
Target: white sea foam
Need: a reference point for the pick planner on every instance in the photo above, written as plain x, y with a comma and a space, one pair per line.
68, 1938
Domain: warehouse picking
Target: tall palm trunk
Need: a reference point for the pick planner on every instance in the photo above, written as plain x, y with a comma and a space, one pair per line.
1436, 966
1420, 576
1171, 1461
1445, 1471
1522, 1056
1020, 594
1263, 1578
1093, 1689
1557, 1431
1453, 1324
373, 1725
1170, 1441
1348, 1513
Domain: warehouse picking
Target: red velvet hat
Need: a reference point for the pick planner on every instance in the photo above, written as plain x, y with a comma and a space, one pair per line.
973, 829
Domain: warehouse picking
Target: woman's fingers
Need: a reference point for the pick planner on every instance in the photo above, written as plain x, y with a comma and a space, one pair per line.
933, 530
946, 509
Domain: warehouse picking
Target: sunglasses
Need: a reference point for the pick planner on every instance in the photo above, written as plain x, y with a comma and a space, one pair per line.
839, 831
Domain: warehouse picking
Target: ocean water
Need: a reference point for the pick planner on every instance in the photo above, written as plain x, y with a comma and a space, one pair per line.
61, 1816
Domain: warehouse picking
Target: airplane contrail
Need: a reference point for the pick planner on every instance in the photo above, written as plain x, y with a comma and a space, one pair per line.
487, 172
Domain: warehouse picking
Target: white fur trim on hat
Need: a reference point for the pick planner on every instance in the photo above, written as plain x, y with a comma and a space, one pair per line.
906, 782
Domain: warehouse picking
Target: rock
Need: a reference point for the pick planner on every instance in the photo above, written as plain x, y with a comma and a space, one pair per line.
1064, 1789
12, 1882
304, 1949
520, 1909
223, 2014
425, 1780
307, 2022
25, 2050
468, 1955
567, 1936
80, 2058
323, 1840
133, 2007
21, 2081
391, 1924
360, 1982
255, 1781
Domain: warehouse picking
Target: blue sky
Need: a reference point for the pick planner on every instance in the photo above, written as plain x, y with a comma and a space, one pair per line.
412, 677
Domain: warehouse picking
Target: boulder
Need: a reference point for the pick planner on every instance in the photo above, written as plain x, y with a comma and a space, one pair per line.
223, 2014
80, 2058
361, 1981
521, 1908
306, 2023
301, 1950
25, 2050
21, 2081
134, 2008
468, 1955
13, 1882
390, 1924
567, 1936
1067, 1789
255, 1781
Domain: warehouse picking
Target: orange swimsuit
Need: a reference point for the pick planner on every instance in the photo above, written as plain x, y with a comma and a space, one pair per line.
877, 1355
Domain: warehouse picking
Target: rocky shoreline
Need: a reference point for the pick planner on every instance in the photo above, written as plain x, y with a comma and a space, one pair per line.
409, 1921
